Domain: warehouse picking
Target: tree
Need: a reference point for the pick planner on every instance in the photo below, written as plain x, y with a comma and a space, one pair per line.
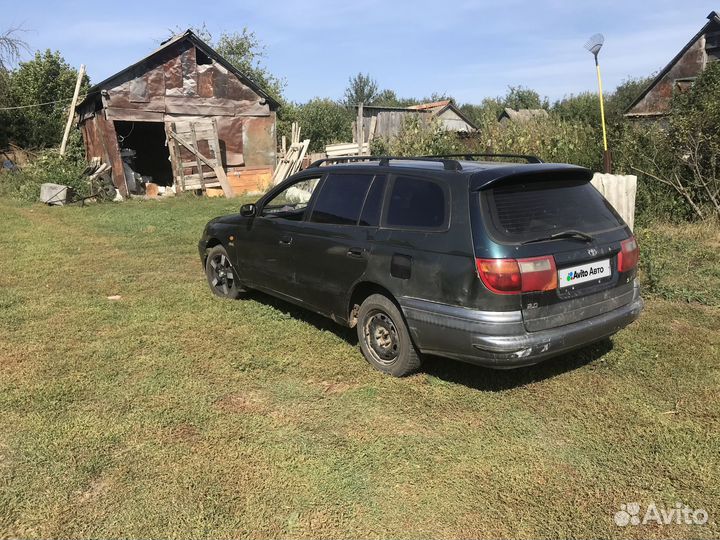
45, 79
361, 89
624, 95
11, 45
246, 52
694, 133
519, 97
484, 114
683, 153
583, 107
324, 122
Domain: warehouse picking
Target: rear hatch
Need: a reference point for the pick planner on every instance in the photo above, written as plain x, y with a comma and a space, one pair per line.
563, 222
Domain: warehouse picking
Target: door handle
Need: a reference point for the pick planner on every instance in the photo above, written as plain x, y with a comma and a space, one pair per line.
285, 240
355, 252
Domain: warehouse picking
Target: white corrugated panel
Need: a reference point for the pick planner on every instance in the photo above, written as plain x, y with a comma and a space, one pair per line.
620, 191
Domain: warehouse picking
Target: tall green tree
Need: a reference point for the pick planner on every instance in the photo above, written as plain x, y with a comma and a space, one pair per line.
520, 97
362, 88
324, 122
46, 79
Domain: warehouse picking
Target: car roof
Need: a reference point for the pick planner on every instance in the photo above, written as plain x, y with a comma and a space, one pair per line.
481, 174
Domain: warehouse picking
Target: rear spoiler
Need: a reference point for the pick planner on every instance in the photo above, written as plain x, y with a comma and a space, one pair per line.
500, 175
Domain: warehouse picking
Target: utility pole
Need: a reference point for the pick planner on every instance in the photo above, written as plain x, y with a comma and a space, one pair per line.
71, 113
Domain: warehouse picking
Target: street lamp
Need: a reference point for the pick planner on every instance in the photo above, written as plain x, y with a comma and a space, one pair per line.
594, 44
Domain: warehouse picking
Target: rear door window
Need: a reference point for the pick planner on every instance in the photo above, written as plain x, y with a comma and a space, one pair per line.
521, 211
416, 203
370, 216
341, 199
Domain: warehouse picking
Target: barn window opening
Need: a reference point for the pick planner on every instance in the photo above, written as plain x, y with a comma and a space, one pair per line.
201, 58
144, 153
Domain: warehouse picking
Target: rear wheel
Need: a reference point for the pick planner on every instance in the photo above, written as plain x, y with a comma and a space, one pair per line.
384, 337
220, 274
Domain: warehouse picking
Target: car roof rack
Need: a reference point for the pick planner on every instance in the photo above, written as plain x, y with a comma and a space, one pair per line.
448, 164
470, 157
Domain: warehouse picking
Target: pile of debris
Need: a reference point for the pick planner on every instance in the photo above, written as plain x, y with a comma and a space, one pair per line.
13, 158
291, 158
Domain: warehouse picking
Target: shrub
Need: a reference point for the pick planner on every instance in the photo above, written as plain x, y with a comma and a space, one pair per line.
677, 160
50, 166
551, 139
323, 121
419, 138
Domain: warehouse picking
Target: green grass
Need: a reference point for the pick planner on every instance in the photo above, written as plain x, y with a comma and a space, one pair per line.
170, 413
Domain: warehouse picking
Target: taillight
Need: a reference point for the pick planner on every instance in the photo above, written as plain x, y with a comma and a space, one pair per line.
512, 276
538, 274
500, 275
629, 254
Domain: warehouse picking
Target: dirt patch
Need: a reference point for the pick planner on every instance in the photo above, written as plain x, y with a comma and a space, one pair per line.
333, 387
97, 488
246, 402
184, 433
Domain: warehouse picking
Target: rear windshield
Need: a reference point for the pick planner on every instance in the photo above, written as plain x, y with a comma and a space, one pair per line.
525, 210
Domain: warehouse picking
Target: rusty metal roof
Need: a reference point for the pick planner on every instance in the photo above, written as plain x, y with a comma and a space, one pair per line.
432, 105
188, 35
713, 18
434, 108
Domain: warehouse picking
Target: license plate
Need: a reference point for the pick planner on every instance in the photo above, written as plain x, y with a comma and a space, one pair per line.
582, 273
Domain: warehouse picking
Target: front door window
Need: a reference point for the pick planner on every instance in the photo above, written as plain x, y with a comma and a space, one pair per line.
291, 202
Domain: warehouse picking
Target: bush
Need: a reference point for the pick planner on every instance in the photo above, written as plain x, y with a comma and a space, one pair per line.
50, 166
324, 122
551, 139
418, 138
677, 160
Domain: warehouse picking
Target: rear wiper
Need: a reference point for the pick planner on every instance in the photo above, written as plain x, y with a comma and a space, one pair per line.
564, 234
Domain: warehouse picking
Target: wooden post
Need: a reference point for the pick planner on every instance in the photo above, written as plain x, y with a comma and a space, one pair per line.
193, 139
359, 126
607, 162
71, 114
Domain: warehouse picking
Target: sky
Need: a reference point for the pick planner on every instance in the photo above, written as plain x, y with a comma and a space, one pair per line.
467, 49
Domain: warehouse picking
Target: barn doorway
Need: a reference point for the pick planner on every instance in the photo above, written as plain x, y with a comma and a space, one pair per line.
143, 148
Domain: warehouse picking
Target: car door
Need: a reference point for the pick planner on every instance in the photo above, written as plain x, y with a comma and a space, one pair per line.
334, 241
269, 253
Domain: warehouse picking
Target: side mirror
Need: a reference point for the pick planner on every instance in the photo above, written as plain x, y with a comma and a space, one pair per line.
248, 210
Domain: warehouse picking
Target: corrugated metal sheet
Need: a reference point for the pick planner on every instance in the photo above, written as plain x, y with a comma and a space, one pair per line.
620, 191
170, 86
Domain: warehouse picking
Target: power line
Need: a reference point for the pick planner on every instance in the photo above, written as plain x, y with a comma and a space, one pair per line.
41, 104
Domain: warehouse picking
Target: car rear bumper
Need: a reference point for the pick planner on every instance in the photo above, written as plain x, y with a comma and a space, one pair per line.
499, 339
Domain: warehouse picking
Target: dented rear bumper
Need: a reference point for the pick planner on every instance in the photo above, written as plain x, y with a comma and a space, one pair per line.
499, 339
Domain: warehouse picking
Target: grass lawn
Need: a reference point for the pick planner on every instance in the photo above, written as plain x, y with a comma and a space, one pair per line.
171, 413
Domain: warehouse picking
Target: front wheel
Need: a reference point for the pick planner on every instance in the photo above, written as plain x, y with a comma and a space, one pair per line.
384, 337
220, 274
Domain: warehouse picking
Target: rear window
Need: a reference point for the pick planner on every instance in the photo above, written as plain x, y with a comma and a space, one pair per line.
520, 211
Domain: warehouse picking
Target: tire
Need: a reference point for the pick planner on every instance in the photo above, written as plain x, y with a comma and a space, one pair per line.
221, 275
384, 337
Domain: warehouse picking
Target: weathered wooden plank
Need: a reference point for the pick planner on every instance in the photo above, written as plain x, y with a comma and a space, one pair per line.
194, 140
71, 113
133, 115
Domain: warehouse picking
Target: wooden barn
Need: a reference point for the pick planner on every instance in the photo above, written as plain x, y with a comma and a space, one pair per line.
679, 74
389, 121
183, 118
